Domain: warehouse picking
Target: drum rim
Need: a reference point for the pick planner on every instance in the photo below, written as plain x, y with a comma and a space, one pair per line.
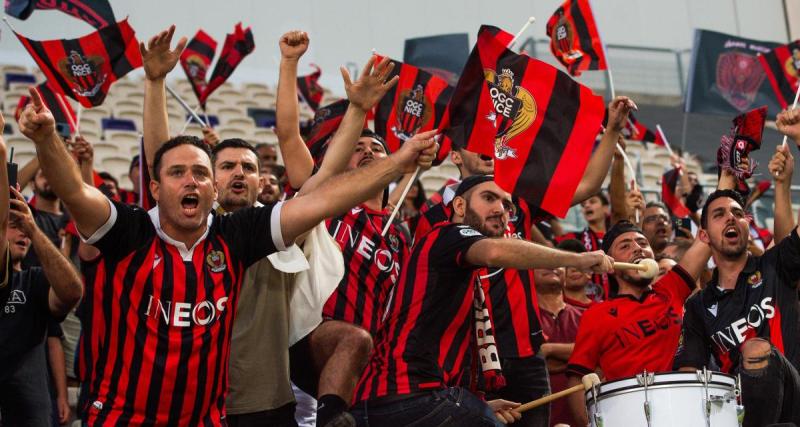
601, 394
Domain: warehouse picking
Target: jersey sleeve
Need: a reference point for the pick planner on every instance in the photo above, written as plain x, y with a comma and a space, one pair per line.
253, 233
693, 350
787, 258
678, 284
127, 228
586, 354
453, 243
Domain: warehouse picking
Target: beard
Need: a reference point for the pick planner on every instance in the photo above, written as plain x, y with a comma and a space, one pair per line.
629, 278
729, 251
475, 221
46, 193
231, 202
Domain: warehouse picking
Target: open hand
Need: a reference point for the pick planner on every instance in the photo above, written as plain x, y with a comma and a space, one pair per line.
371, 85
293, 45
20, 213
157, 57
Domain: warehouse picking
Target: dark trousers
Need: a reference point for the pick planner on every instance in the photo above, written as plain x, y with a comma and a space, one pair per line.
278, 417
526, 380
453, 406
771, 395
24, 398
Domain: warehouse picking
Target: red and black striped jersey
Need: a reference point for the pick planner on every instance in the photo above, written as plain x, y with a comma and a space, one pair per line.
158, 316
436, 209
128, 197
429, 329
372, 266
515, 309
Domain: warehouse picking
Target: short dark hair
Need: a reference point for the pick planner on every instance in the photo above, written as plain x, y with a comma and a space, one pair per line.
134, 163
602, 196
681, 246
232, 143
108, 176
261, 145
572, 245
731, 194
369, 133
174, 143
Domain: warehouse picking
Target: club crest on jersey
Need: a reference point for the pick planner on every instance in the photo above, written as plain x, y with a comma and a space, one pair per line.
514, 107
755, 279
562, 37
469, 232
413, 111
394, 243
216, 261
84, 72
197, 69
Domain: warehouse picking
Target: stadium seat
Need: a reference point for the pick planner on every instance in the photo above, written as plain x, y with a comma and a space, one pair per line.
121, 139
19, 80
117, 123
104, 150
226, 132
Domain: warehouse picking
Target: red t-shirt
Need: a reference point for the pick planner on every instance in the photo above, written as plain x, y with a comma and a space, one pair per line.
623, 335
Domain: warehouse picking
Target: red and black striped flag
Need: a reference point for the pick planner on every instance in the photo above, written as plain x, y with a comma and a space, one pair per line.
782, 65
196, 60
635, 130
470, 119
309, 89
323, 126
96, 13
84, 68
669, 182
416, 104
236, 47
55, 102
574, 39
546, 124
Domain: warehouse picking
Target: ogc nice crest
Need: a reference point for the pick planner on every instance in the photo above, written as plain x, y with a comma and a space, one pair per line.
739, 76
85, 73
515, 110
413, 111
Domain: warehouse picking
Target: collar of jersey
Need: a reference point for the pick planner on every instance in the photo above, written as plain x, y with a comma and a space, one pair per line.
749, 268
186, 254
633, 298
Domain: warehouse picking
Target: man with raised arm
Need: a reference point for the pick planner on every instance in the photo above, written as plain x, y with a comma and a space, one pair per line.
172, 275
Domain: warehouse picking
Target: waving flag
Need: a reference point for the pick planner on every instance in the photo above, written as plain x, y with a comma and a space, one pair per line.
416, 104
96, 13
782, 66
196, 60
309, 89
635, 130
323, 126
236, 47
85, 68
669, 181
55, 102
574, 39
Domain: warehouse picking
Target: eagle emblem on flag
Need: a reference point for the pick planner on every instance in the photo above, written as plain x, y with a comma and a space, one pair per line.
84, 73
739, 76
515, 110
413, 111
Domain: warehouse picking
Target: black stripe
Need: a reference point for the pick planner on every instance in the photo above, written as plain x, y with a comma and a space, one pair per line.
466, 100
41, 53
584, 37
141, 332
551, 140
107, 302
162, 344
115, 46
187, 341
384, 108
776, 69
201, 48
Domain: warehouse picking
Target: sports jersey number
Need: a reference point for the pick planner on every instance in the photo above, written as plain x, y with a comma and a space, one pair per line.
10, 309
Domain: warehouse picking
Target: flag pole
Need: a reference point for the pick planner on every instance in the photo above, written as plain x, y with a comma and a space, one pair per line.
521, 31
664, 138
5, 19
632, 172
400, 203
78, 120
794, 105
185, 105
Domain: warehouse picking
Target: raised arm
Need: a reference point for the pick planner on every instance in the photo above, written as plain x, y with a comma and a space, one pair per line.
66, 288
523, 255
617, 191
367, 91
596, 171
87, 205
27, 172
781, 168
298, 161
158, 61
344, 191
85, 155
3, 204
695, 260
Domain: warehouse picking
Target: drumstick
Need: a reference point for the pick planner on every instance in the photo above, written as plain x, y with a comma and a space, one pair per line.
647, 267
587, 382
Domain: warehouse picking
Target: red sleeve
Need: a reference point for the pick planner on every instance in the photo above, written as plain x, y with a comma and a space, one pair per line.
585, 356
678, 284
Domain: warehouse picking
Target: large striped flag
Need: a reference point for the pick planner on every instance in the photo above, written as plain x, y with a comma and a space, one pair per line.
325, 123
196, 60
96, 13
545, 124
574, 39
416, 104
84, 68
782, 65
236, 47
58, 105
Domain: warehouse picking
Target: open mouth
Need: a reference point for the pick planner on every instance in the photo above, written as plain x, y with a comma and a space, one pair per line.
238, 187
731, 233
189, 204
21, 244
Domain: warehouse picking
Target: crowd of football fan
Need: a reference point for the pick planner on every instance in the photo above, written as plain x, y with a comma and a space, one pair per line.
467, 305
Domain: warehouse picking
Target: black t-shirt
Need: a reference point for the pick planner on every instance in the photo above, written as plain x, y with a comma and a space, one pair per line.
763, 304
24, 317
51, 225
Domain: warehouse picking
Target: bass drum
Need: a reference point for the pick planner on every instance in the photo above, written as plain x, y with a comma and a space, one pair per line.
671, 399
